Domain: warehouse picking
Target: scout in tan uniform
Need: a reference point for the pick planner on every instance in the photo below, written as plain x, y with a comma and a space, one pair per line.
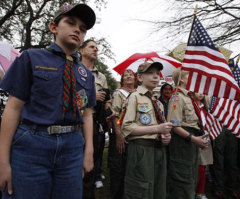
146, 162
117, 155
89, 53
183, 148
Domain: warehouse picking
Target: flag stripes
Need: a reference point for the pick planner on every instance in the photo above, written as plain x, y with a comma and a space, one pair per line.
209, 72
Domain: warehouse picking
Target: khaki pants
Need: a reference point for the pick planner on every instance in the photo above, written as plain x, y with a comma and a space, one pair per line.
145, 172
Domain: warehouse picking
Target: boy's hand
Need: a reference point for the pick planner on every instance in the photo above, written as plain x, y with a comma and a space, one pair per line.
120, 143
164, 127
100, 96
200, 141
166, 138
87, 162
6, 177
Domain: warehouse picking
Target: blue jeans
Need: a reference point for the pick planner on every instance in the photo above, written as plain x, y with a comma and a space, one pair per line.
46, 166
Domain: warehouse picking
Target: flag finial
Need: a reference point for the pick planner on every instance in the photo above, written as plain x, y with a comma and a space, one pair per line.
195, 9
238, 58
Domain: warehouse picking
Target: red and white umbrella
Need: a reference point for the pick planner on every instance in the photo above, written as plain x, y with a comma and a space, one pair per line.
169, 63
7, 55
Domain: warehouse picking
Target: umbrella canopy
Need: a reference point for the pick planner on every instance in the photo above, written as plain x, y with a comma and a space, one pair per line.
169, 64
179, 51
7, 55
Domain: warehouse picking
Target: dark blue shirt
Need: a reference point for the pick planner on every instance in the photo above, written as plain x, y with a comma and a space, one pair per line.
36, 78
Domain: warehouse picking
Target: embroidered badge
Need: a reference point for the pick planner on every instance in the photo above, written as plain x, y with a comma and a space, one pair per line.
82, 71
174, 106
175, 98
145, 118
143, 108
82, 99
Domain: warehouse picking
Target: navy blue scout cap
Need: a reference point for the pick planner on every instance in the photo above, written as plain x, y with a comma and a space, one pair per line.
146, 65
82, 11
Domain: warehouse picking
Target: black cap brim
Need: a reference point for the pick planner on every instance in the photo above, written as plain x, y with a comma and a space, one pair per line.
84, 13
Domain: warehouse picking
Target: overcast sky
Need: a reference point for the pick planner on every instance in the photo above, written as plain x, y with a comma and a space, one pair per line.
126, 35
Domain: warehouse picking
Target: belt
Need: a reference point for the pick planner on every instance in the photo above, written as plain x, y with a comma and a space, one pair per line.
54, 129
147, 142
58, 129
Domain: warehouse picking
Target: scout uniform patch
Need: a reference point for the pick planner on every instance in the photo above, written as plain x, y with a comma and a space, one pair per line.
82, 99
82, 71
145, 118
143, 107
175, 98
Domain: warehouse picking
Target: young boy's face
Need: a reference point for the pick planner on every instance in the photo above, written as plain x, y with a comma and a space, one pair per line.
150, 78
69, 32
184, 80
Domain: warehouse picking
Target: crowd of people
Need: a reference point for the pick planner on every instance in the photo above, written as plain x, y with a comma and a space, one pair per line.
56, 108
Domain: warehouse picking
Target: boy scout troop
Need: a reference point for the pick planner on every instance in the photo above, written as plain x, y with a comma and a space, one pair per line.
56, 103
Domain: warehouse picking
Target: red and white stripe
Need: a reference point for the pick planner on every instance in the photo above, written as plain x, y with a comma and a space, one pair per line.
228, 113
209, 73
210, 124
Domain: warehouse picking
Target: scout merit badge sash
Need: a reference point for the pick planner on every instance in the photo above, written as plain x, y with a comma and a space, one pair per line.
157, 109
122, 115
124, 92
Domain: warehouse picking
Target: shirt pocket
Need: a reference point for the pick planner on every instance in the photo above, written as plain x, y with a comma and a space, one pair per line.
47, 83
189, 112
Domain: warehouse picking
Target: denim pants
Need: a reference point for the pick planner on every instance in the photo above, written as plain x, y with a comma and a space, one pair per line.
46, 166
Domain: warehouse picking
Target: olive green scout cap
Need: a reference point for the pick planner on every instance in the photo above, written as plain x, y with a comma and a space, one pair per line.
146, 65
82, 11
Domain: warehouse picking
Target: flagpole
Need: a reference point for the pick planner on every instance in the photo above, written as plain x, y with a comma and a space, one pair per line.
180, 74
238, 59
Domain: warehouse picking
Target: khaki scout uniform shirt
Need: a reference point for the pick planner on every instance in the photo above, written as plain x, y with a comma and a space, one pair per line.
100, 79
140, 112
118, 101
180, 108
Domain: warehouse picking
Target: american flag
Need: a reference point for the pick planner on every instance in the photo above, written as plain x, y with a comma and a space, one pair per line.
210, 124
209, 72
226, 110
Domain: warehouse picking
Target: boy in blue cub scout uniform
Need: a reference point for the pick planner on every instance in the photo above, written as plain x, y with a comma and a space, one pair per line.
147, 134
51, 95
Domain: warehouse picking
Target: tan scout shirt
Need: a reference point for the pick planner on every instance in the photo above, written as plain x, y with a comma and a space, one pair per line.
100, 79
118, 101
180, 108
140, 112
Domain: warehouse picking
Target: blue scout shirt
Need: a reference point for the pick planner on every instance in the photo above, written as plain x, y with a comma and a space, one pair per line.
36, 78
